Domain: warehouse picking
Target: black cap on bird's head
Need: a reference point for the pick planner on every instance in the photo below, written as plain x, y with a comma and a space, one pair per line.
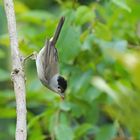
62, 84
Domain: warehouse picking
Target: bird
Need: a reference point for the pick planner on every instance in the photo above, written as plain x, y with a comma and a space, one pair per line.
47, 64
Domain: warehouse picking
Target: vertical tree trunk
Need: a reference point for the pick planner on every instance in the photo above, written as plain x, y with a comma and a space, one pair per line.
17, 72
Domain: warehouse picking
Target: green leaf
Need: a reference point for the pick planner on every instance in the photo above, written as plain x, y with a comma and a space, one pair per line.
102, 31
82, 130
132, 62
103, 86
86, 13
20, 7
88, 43
107, 132
63, 132
69, 43
34, 120
35, 16
65, 106
92, 94
79, 79
122, 4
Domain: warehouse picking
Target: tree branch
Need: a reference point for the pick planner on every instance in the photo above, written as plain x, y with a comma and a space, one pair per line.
17, 73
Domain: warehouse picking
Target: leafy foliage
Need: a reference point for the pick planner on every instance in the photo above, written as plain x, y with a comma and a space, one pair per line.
99, 55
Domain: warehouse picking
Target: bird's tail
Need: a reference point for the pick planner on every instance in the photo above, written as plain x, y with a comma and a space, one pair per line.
58, 30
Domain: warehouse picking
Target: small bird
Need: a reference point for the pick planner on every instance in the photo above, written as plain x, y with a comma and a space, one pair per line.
47, 64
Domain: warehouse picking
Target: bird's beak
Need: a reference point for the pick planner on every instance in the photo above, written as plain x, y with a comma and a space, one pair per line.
62, 96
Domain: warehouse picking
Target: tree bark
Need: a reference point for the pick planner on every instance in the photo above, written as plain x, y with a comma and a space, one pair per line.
17, 72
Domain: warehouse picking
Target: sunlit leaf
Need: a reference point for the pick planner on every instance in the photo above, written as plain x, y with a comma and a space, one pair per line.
122, 4
20, 7
103, 86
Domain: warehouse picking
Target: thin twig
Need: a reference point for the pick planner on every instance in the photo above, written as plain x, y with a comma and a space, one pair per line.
17, 73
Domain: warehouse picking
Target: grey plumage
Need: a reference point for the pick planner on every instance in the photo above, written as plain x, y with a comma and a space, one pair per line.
47, 64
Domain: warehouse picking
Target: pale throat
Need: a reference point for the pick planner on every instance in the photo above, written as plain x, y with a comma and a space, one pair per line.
54, 82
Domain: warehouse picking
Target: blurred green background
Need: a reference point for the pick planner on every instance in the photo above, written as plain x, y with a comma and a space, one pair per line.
99, 54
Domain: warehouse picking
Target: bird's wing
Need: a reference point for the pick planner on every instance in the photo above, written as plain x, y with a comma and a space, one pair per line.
51, 60
50, 53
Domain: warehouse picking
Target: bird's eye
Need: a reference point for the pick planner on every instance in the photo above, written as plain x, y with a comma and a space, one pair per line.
59, 89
